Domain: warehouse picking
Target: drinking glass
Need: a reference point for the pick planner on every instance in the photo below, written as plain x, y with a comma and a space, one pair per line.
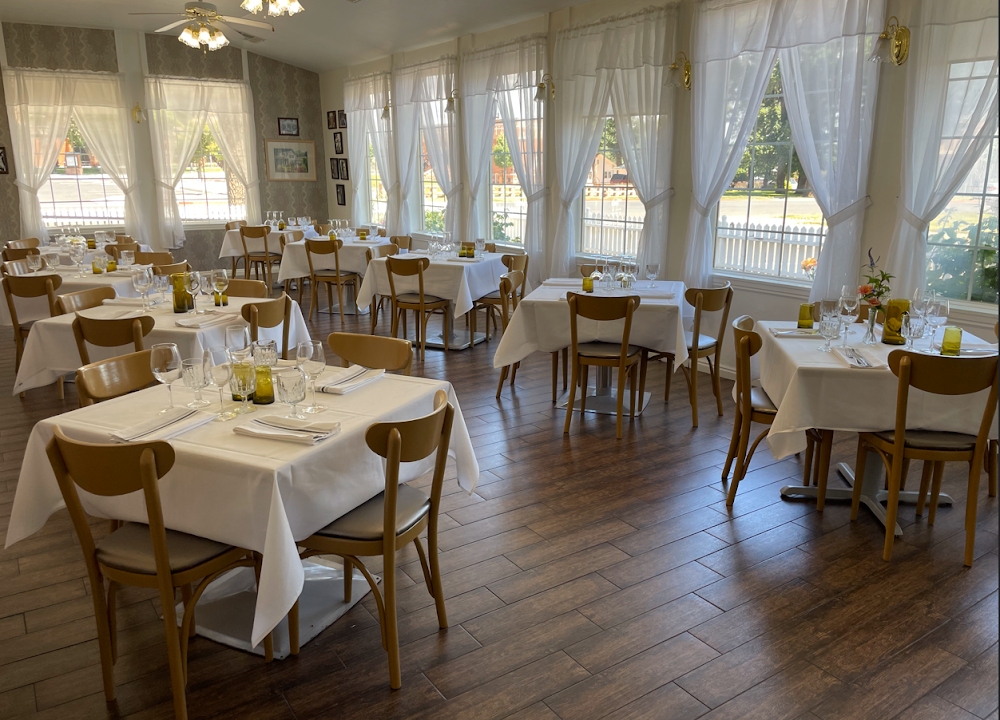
265, 352
127, 259
850, 308
77, 253
829, 326
101, 261
220, 372
161, 283
34, 262
220, 281
311, 360
192, 283
291, 386
238, 338
480, 247
938, 315
165, 363
244, 380
142, 280
195, 377
652, 272
912, 329
918, 305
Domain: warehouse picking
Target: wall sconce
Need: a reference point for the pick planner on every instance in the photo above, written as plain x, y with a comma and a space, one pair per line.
138, 115
892, 44
679, 72
450, 105
385, 111
547, 84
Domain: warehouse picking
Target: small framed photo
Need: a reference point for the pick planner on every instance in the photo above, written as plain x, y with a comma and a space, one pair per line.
331, 120
4, 167
342, 117
288, 126
341, 194
338, 143
334, 169
343, 169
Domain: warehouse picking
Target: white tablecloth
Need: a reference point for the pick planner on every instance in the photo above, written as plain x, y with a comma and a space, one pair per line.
257, 494
232, 246
353, 258
541, 322
461, 282
813, 389
31, 309
65, 259
51, 351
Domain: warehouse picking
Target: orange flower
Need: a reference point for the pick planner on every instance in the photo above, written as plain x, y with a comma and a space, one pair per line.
874, 302
808, 264
865, 289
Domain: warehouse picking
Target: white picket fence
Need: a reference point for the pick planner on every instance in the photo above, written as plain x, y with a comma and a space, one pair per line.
765, 253
614, 234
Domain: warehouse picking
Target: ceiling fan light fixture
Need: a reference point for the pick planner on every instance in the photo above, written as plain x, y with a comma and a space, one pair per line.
221, 40
189, 36
254, 6
204, 35
295, 7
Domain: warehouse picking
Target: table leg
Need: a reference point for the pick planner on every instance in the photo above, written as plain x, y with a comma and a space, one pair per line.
455, 341
604, 400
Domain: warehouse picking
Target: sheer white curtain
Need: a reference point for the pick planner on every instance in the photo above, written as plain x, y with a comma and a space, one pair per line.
406, 132
230, 120
359, 103
514, 78
478, 113
949, 117
435, 83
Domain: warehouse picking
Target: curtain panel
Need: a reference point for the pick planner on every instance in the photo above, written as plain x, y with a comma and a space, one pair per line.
364, 99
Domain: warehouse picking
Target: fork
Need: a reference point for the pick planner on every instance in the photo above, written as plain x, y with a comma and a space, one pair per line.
861, 362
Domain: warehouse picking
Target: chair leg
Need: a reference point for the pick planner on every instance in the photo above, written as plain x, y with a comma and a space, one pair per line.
622, 374
670, 376
565, 361
391, 631
810, 449
555, 375
268, 641
936, 490
925, 482
970, 512
373, 313
741, 460
177, 679
572, 393
643, 366
633, 371
340, 300
892, 508
313, 299
692, 378
395, 323
102, 615
293, 629
503, 376
301, 284
716, 385
432, 550
991, 466
186, 599
513, 372
735, 442
825, 448
859, 474
348, 578
584, 379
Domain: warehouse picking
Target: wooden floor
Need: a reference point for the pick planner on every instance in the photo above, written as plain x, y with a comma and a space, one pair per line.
586, 578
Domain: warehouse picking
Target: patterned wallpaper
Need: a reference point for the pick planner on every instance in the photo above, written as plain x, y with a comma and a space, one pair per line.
10, 210
166, 56
60, 48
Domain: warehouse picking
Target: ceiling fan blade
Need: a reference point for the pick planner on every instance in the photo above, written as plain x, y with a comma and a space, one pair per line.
243, 21
171, 26
173, 13
229, 32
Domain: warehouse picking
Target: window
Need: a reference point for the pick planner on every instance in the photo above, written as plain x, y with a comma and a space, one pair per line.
78, 192
612, 212
378, 201
433, 201
207, 190
768, 220
508, 204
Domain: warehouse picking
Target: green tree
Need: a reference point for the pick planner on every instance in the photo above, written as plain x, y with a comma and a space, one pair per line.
501, 228
501, 152
609, 143
74, 137
208, 149
433, 220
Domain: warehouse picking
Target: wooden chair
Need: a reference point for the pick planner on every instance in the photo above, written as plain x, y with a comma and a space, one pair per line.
323, 229
117, 376
372, 351
379, 251
27, 286
180, 267
83, 299
22, 244
703, 300
587, 269
509, 283
116, 249
329, 277
246, 288
939, 375
154, 258
235, 225
491, 302
625, 357
258, 260
109, 333
390, 521
19, 268
991, 451
138, 555
269, 314
422, 304
380, 232
403, 242
491, 247
127, 239
10, 253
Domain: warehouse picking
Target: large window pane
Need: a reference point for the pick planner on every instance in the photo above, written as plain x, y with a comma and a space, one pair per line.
378, 201
208, 192
508, 204
432, 199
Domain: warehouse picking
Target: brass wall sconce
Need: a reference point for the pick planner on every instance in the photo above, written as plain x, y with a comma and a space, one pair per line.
450, 105
679, 72
892, 44
138, 115
546, 87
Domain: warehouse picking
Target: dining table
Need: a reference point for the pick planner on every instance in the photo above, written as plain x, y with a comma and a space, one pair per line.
257, 493
51, 352
831, 392
32, 309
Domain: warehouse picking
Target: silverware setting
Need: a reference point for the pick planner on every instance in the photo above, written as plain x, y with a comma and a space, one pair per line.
856, 358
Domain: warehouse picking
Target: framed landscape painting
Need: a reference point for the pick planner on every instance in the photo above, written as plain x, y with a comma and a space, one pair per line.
291, 160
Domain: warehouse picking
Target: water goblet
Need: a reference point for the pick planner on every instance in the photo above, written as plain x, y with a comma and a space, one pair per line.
850, 308
192, 283
652, 272
937, 316
311, 359
195, 378
161, 283
291, 386
243, 382
238, 338
912, 329
220, 372
165, 364
126, 259
829, 326
142, 280
34, 262
77, 253
220, 281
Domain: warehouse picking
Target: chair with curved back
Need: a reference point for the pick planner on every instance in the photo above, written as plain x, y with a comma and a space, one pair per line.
269, 314
179, 267
625, 357
126, 239
323, 229
154, 258
258, 259
246, 288
114, 377
403, 242
379, 251
111, 333
29, 286
138, 555
372, 351
380, 232
491, 302
587, 269
235, 225
420, 303
22, 244
11, 253
116, 249
329, 277
509, 282
937, 375
20, 268
392, 520
83, 299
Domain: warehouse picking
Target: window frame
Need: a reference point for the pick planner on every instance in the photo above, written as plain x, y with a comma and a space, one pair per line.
374, 177
432, 185
521, 217
209, 222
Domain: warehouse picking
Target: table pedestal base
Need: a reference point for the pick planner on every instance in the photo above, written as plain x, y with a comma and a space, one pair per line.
225, 611
603, 399
457, 340
872, 496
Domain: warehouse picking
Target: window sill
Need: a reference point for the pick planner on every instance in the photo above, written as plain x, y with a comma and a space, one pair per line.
196, 226
769, 286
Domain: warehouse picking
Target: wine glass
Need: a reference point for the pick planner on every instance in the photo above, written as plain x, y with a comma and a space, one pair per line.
310, 358
34, 262
850, 308
165, 363
829, 326
919, 303
126, 259
291, 386
142, 280
938, 315
243, 382
652, 272
161, 283
77, 253
238, 338
912, 329
101, 261
220, 281
192, 283
195, 377
220, 372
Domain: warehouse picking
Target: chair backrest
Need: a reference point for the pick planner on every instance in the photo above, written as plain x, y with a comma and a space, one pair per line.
20, 267
154, 258
603, 308
254, 232
942, 375
710, 300
116, 249
509, 283
380, 232
180, 267
127, 239
403, 242
408, 441
236, 224
372, 351
83, 299
323, 229
380, 251
293, 236
21, 244
324, 247
747, 345
406, 267
12, 253
30, 287
518, 263
491, 247
111, 332
117, 376
247, 288
587, 269
269, 314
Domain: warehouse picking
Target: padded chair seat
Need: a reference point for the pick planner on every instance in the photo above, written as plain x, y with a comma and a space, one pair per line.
761, 402
604, 349
704, 341
931, 439
332, 275
414, 298
365, 522
265, 256
130, 548
495, 295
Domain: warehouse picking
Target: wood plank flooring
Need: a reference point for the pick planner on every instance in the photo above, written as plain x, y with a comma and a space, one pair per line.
586, 578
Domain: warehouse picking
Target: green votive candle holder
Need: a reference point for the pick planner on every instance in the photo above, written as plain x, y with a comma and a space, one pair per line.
806, 315
952, 342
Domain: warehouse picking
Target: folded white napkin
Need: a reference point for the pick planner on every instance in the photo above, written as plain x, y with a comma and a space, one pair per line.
873, 362
797, 332
350, 379
164, 426
654, 293
130, 302
109, 313
207, 320
564, 282
277, 427
310, 233
464, 260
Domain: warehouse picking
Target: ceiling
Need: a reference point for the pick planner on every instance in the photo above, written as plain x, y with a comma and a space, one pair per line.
329, 34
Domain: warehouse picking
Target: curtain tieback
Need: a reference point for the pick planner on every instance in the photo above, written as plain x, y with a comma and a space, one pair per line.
702, 210
657, 199
27, 188
455, 190
916, 222
251, 185
848, 212
544, 192
165, 186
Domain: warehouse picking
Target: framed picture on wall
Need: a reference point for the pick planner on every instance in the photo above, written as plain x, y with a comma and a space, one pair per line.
4, 167
334, 169
331, 120
291, 160
288, 126
341, 194
343, 169
338, 143
342, 117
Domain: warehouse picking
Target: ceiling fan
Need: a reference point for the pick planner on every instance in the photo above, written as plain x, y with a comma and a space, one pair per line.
205, 26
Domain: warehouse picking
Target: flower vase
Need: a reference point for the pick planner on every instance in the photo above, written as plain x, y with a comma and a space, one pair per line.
869, 338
